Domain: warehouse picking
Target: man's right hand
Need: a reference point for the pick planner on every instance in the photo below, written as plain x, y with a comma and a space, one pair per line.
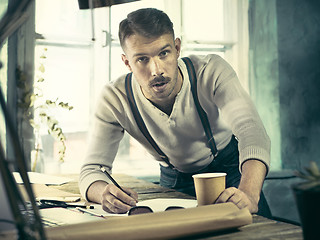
116, 201
111, 198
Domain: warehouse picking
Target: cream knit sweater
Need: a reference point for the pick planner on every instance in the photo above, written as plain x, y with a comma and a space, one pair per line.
180, 136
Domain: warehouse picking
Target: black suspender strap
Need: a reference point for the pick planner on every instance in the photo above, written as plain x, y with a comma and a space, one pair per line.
140, 121
202, 114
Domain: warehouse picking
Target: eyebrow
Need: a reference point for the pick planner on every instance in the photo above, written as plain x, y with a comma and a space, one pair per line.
161, 49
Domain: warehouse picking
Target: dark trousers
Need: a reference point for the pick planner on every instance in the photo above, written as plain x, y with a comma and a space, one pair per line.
227, 161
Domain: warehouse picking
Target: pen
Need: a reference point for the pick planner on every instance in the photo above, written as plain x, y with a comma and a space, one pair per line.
89, 212
111, 178
48, 203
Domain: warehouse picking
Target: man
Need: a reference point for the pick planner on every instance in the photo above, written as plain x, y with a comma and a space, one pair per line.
162, 94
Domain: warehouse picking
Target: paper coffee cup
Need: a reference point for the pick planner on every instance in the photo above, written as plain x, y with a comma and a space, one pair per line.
208, 187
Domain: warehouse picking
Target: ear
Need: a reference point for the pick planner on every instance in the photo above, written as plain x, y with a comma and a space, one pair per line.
177, 44
126, 62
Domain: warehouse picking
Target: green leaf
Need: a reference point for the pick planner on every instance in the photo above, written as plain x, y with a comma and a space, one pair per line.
314, 170
42, 68
41, 79
304, 176
43, 114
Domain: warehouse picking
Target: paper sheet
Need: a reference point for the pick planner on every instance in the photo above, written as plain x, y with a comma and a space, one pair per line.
157, 205
160, 204
63, 216
41, 178
42, 191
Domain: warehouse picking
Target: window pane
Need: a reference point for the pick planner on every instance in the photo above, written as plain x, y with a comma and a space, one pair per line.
62, 19
66, 77
69, 82
206, 21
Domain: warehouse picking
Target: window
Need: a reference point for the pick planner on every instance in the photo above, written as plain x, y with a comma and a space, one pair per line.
76, 67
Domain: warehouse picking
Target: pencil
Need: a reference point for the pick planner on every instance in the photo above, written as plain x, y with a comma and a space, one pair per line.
111, 178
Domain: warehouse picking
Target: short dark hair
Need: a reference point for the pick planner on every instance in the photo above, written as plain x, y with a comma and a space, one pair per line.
148, 22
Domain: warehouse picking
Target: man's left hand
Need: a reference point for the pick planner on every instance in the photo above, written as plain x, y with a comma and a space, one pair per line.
248, 192
239, 198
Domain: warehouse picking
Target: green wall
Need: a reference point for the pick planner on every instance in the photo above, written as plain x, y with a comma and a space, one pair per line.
285, 77
264, 72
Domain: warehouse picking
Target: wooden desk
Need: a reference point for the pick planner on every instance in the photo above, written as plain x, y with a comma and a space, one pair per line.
261, 228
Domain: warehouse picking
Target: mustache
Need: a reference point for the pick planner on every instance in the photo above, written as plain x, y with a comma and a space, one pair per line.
159, 80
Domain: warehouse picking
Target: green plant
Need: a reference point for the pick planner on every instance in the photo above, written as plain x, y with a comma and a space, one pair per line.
38, 110
311, 174
307, 196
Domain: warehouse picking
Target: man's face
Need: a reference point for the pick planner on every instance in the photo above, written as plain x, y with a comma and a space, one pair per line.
153, 62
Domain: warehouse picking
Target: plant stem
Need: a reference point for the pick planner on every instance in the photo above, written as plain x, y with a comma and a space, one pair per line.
35, 159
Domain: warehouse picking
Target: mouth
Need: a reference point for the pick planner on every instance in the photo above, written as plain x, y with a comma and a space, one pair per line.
160, 87
159, 84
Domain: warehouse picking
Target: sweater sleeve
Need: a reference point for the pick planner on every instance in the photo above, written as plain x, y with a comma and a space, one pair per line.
238, 111
104, 139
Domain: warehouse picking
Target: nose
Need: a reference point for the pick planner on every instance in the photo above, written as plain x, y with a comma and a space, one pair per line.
155, 68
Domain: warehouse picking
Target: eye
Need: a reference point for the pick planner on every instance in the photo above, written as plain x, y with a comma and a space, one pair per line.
142, 60
164, 53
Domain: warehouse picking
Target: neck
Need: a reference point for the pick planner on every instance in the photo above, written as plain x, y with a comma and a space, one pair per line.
167, 105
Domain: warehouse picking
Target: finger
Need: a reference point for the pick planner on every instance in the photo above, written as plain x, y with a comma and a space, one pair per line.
236, 199
106, 206
116, 200
131, 193
241, 200
226, 194
111, 203
106, 200
124, 196
114, 204
242, 204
